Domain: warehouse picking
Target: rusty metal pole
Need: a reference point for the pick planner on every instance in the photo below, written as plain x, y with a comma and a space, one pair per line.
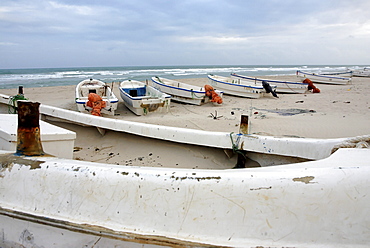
244, 124
28, 132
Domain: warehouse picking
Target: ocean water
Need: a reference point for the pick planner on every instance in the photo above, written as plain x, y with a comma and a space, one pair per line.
44, 77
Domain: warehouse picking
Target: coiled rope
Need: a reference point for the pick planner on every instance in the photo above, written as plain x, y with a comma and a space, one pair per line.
235, 146
12, 106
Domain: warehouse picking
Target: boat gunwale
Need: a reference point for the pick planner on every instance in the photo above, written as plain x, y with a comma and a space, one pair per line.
177, 88
99, 230
85, 101
239, 85
323, 76
267, 80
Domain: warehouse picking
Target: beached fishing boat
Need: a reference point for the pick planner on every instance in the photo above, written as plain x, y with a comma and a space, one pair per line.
281, 86
141, 98
365, 72
51, 202
237, 88
185, 93
323, 79
347, 73
85, 87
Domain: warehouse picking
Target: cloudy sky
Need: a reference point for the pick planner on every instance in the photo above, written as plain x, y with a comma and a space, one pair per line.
69, 33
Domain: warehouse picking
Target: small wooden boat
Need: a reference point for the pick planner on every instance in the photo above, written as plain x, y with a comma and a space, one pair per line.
85, 87
183, 92
323, 79
237, 87
281, 86
141, 98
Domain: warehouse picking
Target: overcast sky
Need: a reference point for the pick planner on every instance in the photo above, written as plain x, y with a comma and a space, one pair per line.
69, 33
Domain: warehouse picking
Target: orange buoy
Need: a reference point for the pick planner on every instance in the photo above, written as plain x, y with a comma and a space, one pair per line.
210, 92
96, 103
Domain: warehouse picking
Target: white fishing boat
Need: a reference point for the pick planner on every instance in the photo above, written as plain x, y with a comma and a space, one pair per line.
347, 73
85, 87
141, 98
365, 72
183, 92
238, 87
323, 79
281, 86
51, 202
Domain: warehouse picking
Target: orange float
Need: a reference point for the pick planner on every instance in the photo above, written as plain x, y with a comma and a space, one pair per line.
96, 103
311, 86
210, 92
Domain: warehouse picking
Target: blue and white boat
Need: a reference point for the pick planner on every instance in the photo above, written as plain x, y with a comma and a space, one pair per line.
323, 79
237, 87
281, 86
182, 92
141, 98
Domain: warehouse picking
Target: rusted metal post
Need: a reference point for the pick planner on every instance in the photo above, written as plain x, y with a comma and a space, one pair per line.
244, 124
28, 132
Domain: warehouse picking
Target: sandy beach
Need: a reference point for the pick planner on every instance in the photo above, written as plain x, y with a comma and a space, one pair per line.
338, 111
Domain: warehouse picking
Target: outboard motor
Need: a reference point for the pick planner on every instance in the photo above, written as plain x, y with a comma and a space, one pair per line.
268, 89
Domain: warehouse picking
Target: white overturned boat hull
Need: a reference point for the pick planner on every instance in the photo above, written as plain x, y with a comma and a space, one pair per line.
324, 79
146, 98
99, 87
235, 88
182, 92
281, 86
51, 202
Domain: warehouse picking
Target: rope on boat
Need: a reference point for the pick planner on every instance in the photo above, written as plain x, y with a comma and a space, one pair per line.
291, 88
355, 142
193, 96
158, 79
12, 106
235, 146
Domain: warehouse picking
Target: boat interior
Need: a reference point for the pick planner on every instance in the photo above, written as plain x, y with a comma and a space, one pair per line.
101, 90
135, 91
